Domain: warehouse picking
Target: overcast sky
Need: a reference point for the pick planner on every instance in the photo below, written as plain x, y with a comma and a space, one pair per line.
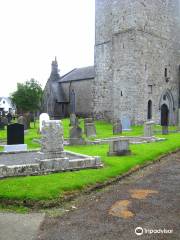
33, 32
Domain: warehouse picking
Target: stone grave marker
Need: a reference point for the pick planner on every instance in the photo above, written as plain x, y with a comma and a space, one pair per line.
52, 139
15, 138
126, 123
148, 129
165, 130
73, 119
5, 121
1, 124
119, 147
75, 136
89, 127
9, 117
22, 120
42, 117
117, 127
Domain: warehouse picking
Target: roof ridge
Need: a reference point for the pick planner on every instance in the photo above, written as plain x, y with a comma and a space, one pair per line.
67, 73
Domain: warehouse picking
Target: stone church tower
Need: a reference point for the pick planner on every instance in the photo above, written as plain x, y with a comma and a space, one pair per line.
137, 57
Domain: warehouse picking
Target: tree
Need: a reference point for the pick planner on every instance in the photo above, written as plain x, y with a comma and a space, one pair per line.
27, 97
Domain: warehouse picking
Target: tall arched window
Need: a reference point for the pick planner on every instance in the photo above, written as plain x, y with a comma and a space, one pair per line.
149, 115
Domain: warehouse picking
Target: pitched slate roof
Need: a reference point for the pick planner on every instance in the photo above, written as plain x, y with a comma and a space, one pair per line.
78, 74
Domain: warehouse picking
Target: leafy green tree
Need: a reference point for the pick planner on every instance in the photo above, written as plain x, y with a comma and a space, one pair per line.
28, 96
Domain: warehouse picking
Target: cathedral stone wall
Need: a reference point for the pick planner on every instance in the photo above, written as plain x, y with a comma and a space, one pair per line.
102, 88
135, 42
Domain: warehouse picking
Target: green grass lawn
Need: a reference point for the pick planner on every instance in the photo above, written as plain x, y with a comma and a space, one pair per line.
104, 130
55, 186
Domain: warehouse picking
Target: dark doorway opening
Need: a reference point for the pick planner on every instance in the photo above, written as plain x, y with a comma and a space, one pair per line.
164, 115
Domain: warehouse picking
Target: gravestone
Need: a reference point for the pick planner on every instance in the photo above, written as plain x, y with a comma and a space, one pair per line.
126, 123
117, 127
164, 119
72, 102
52, 139
179, 119
42, 117
148, 129
75, 136
1, 124
165, 130
89, 127
5, 121
119, 148
9, 117
22, 120
73, 119
15, 134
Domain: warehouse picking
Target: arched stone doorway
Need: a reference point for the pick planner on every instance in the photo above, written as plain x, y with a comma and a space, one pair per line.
167, 103
164, 115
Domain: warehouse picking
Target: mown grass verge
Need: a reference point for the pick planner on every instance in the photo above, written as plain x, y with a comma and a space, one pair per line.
51, 190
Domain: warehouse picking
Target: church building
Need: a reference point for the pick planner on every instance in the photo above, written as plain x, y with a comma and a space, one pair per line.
136, 71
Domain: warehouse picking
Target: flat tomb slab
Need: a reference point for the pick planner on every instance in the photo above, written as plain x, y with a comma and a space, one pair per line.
30, 163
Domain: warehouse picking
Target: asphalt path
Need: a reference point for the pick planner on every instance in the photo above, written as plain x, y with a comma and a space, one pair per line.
147, 202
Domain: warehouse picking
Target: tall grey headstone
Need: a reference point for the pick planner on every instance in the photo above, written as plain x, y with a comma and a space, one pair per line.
126, 123
73, 119
22, 120
117, 127
165, 130
52, 139
89, 127
72, 102
148, 129
75, 136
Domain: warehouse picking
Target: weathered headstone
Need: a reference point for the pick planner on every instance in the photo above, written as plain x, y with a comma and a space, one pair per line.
126, 123
119, 148
73, 119
165, 130
179, 119
42, 117
28, 119
75, 136
15, 134
52, 139
22, 120
117, 127
5, 121
89, 127
9, 117
1, 124
148, 129
72, 102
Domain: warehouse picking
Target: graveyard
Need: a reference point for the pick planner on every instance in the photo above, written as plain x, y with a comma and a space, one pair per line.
53, 188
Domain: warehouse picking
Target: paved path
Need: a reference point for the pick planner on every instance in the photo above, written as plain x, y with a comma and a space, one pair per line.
19, 226
149, 199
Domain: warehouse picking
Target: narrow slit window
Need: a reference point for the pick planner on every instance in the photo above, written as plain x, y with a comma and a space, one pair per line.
149, 115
